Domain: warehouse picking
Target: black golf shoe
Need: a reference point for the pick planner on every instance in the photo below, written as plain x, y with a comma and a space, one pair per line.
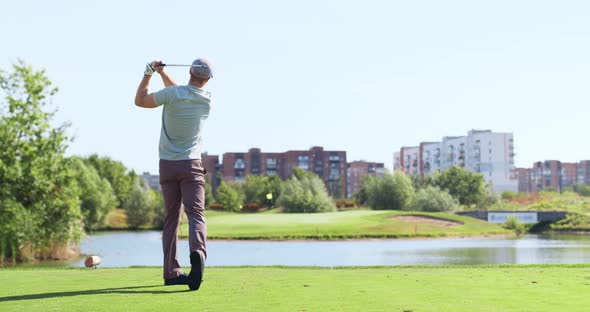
181, 279
195, 277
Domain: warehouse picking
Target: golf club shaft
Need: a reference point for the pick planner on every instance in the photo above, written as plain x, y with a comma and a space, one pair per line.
176, 65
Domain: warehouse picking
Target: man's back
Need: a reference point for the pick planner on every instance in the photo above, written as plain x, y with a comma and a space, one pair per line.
183, 115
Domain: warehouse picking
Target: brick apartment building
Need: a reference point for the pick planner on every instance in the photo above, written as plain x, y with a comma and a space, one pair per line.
356, 170
212, 166
523, 175
210, 163
329, 165
583, 172
552, 174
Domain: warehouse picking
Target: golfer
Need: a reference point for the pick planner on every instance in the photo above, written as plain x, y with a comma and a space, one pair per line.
182, 175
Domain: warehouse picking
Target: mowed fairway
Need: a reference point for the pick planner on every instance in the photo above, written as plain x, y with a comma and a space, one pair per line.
489, 288
337, 225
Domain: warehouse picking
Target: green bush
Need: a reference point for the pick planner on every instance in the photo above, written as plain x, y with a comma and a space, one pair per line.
230, 196
572, 222
393, 192
583, 190
256, 189
305, 192
209, 199
513, 224
432, 198
509, 195
467, 187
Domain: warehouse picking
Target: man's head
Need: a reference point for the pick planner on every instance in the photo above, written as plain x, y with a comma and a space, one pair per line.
201, 71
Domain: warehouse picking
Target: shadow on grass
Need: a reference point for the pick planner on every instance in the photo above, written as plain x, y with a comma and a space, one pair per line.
104, 291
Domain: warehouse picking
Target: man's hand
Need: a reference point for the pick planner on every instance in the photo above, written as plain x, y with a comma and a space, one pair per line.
158, 66
149, 69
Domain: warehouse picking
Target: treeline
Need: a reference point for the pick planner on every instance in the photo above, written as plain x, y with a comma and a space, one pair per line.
106, 184
48, 200
304, 191
451, 189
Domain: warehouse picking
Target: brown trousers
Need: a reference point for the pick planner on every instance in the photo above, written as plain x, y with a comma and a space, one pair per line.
183, 184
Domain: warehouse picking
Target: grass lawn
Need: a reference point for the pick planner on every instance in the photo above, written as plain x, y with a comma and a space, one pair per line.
416, 289
337, 225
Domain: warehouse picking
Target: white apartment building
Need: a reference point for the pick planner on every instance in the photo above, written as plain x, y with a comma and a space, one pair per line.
152, 180
453, 149
409, 160
431, 157
482, 151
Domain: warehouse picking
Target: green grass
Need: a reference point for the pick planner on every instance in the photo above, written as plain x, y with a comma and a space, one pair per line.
337, 225
417, 289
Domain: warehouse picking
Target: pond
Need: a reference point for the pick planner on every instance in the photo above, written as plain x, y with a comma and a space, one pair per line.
122, 249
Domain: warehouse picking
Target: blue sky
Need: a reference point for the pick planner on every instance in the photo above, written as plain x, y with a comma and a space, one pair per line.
366, 77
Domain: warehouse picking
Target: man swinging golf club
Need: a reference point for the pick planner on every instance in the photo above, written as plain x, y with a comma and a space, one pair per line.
182, 176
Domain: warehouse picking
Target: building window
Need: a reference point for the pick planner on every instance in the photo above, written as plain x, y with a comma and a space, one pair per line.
303, 162
334, 172
334, 158
271, 163
451, 156
239, 164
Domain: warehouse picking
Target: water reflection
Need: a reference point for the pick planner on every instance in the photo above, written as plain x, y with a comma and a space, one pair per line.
124, 249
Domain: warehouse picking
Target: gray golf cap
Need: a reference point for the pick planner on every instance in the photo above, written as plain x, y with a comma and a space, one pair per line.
202, 68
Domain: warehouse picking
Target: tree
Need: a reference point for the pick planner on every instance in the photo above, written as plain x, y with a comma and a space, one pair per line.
209, 199
257, 188
274, 187
230, 197
141, 205
420, 182
116, 173
388, 192
305, 192
159, 208
39, 205
97, 198
254, 189
431, 198
467, 187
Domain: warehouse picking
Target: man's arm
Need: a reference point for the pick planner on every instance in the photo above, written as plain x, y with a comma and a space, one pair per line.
142, 98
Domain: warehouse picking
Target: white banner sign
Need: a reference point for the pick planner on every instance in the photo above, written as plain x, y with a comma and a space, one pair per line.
523, 217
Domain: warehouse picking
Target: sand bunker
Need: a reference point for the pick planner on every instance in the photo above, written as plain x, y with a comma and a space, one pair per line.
428, 220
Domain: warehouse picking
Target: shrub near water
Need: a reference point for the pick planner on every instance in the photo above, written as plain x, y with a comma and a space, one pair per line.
432, 198
305, 192
513, 224
583, 190
572, 222
394, 192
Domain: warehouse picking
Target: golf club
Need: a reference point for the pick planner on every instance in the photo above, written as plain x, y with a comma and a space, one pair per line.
181, 65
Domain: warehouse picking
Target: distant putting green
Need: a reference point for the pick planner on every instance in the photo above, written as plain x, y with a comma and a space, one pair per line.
416, 289
342, 225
